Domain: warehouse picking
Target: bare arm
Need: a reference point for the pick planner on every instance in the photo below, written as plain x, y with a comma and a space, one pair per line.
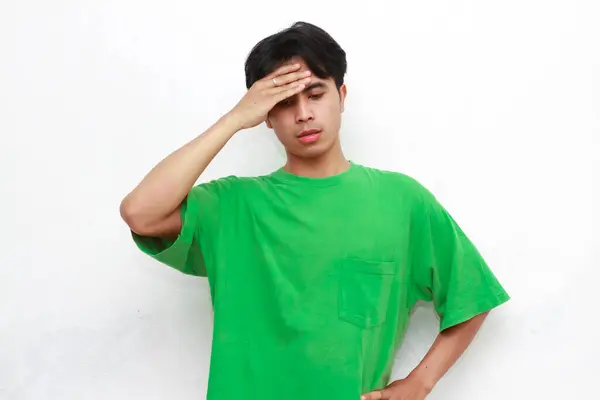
153, 207
447, 348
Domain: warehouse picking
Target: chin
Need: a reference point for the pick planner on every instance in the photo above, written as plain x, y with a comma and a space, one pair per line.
313, 151
310, 153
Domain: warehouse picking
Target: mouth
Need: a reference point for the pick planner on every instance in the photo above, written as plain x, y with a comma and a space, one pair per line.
309, 135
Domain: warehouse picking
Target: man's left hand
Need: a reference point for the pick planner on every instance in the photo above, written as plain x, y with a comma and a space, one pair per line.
402, 389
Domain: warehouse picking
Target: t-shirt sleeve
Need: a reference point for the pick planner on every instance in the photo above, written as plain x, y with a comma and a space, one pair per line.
447, 268
200, 212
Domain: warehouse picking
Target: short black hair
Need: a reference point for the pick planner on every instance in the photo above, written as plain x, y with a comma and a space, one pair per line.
322, 54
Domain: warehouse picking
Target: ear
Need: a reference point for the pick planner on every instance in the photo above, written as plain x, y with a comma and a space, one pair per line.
343, 93
268, 123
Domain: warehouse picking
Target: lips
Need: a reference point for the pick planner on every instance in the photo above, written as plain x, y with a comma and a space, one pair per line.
309, 136
308, 132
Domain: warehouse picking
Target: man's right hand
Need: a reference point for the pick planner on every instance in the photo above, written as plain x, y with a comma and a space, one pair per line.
265, 93
153, 207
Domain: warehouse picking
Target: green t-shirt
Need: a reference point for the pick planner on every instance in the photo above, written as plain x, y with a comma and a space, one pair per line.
313, 280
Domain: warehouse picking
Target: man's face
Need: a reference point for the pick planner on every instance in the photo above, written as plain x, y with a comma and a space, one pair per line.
319, 106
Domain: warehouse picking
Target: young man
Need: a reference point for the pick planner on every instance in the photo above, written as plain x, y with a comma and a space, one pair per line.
314, 268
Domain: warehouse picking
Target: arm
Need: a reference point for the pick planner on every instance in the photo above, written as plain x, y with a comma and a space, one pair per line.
153, 207
447, 270
447, 348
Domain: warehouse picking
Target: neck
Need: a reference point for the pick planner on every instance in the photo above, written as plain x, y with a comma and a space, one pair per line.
330, 163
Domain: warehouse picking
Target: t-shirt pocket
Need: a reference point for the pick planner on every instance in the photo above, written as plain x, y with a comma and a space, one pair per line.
364, 291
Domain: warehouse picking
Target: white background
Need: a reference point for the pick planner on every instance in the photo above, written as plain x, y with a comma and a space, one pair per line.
495, 106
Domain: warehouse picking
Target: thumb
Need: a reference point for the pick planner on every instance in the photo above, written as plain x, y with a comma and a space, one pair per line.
375, 395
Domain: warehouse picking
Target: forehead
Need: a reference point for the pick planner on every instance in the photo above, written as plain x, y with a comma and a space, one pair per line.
304, 67
295, 60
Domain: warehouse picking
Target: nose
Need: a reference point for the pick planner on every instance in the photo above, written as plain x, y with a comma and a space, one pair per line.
303, 111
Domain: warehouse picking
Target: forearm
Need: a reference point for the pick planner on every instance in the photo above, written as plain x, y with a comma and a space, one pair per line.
445, 351
163, 189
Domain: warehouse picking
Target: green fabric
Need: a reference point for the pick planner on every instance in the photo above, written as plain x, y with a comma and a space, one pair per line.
313, 279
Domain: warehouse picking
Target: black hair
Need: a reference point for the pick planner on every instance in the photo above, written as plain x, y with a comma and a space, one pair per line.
322, 54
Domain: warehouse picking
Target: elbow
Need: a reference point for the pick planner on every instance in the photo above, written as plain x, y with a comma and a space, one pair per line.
132, 216
143, 219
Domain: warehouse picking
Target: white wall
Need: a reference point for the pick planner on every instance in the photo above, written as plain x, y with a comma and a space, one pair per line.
493, 105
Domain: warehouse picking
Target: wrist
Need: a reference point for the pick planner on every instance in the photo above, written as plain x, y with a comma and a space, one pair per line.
232, 122
423, 379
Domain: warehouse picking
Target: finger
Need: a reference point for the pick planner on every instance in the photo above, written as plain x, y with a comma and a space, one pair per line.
290, 77
376, 395
271, 80
285, 69
284, 94
291, 85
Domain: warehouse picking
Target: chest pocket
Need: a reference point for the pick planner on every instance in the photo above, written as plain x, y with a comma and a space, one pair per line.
364, 291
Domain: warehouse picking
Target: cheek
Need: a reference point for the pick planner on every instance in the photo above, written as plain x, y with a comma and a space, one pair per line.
279, 119
284, 125
332, 112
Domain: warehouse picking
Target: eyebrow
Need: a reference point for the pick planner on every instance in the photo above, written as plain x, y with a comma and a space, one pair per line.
316, 85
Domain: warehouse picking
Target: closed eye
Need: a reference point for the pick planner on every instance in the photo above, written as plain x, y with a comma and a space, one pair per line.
289, 102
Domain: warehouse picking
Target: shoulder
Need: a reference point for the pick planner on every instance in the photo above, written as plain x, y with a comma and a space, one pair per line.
397, 181
229, 184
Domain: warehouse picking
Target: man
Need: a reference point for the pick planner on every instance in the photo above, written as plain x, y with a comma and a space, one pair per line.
314, 268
